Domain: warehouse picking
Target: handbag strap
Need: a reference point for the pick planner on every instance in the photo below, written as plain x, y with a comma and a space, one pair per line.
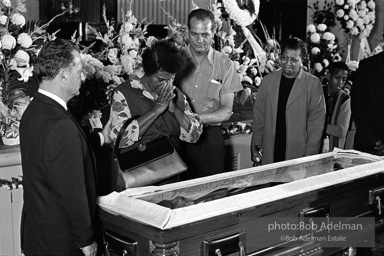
120, 135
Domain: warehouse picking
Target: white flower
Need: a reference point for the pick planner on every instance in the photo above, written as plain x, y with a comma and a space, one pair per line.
3, 19
339, 2
325, 62
354, 31
340, 13
18, 19
8, 42
371, 5
311, 28
315, 38
24, 40
133, 53
353, 14
337, 57
227, 50
350, 24
128, 27
7, 3
346, 17
112, 55
257, 81
25, 73
318, 67
247, 79
253, 71
321, 27
329, 36
315, 50
22, 58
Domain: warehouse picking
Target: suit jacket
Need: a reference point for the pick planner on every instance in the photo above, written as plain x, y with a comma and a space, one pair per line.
58, 181
367, 101
305, 116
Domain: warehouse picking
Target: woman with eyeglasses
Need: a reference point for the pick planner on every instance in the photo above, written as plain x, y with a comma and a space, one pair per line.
289, 111
159, 106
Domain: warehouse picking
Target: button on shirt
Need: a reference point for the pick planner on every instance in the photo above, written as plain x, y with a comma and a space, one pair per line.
214, 76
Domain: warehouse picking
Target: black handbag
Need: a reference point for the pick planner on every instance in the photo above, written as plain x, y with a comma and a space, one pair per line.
149, 163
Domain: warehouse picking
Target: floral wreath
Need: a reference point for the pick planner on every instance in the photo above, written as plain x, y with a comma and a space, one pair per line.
356, 16
242, 17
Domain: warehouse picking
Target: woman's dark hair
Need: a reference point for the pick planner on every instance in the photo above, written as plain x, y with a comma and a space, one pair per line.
54, 56
201, 14
294, 43
163, 55
337, 65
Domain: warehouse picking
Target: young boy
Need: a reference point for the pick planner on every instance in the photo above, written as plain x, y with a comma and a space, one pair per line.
338, 106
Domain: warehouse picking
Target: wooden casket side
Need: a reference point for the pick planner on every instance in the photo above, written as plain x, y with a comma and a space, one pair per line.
347, 198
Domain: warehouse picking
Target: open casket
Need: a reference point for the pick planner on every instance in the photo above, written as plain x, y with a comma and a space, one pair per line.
215, 215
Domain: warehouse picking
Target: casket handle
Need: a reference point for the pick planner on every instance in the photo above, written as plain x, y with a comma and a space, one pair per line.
116, 244
225, 244
376, 196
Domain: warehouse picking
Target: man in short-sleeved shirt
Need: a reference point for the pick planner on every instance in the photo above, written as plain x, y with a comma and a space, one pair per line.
209, 82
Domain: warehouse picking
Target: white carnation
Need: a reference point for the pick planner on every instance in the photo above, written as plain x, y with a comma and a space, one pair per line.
24, 40
311, 28
321, 27
22, 58
339, 2
359, 22
315, 38
371, 5
318, 67
329, 36
8, 42
227, 50
350, 24
340, 13
18, 19
257, 81
353, 14
315, 50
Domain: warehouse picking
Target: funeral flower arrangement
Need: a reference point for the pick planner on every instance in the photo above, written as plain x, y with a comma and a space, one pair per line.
118, 57
326, 15
356, 16
322, 48
19, 46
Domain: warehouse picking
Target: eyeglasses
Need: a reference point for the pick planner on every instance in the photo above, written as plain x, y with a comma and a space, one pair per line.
293, 60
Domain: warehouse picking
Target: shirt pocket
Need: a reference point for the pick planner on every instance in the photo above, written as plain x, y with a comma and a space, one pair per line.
214, 89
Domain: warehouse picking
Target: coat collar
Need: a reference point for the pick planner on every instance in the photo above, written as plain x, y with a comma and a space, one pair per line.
297, 89
209, 55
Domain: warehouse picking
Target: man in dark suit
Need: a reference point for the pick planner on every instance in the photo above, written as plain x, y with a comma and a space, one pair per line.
59, 172
367, 101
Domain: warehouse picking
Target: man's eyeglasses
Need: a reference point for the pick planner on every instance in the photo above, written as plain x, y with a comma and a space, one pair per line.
293, 60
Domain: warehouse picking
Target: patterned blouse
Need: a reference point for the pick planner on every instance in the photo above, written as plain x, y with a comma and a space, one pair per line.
120, 112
